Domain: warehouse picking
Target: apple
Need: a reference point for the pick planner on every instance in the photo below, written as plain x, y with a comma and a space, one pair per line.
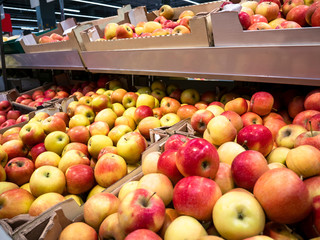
72, 157
142, 112
169, 119
97, 142
98, 128
224, 178
258, 18
196, 196
109, 169
296, 161
298, 15
288, 5
159, 94
78, 120
268, 9
106, 115
278, 200
47, 158
129, 99
184, 227
228, 151
278, 231
150, 26
314, 123
276, 22
278, 155
175, 141
250, 4
146, 124
52, 124
32, 134
150, 163
99, 102
56, 141
123, 31
126, 120
2, 119
47, 179
3, 175
143, 234
234, 118
18, 170
44, 202
50, 93
127, 188
80, 229
274, 125
86, 111
79, 134
169, 105
176, 94
221, 130
15, 202
311, 100
79, 178
256, 137
15, 148
190, 96
167, 165
110, 228
117, 132
238, 105
186, 13
287, 135
110, 30
247, 10
238, 215
85, 100
13, 114
118, 108
200, 120
215, 109
166, 11
197, 157
201, 105
63, 115
8, 123
148, 209
130, 146
5, 106
108, 149
247, 167
308, 138
158, 183
261, 103
14, 136
313, 7
95, 190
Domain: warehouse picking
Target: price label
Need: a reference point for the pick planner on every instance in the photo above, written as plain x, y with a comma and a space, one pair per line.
34, 3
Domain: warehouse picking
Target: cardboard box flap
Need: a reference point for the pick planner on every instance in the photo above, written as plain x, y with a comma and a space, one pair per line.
10, 225
138, 14
227, 31
68, 23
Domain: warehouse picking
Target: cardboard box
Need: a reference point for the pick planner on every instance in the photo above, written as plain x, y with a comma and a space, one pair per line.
30, 42
200, 36
228, 32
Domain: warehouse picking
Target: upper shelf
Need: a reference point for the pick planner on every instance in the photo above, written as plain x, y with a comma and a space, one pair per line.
273, 64
48, 60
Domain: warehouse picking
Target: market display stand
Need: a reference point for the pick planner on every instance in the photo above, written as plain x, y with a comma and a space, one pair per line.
273, 64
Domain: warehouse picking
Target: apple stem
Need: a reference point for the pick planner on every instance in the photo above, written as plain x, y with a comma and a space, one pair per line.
244, 145
301, 177
151, 197
274, 109
311, 128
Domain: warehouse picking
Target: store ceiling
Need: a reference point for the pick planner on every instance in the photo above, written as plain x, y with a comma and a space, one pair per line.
90, 8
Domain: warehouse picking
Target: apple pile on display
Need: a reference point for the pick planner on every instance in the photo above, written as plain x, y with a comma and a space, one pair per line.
275, 14
54, 37
161, 26
10, 116
241, 154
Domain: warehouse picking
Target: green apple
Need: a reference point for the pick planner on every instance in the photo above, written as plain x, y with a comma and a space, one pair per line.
56, 141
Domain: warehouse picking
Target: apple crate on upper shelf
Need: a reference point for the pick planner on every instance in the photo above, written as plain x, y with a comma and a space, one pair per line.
228, 32
63, 38
200, 33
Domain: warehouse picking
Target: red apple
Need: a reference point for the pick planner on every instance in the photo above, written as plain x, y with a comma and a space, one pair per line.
298, 15
308, 138
196, 196
141, 209
224, 177
315, 18
258, 18
274, 125
208, 96
234, 118
36, 150
5, 106
167, 165
142, 112
251, 118
19, 170
169, 105
8, 123
245, 20
314, 123
32, 134
13, 114
247, 167
79, 179
186, 111
220, 104
79, 134
312, 99
15, 148
304, 117
256, 137
200, 120
261, 103
198, 157
175, 142
289, 4
142, 234
280, 200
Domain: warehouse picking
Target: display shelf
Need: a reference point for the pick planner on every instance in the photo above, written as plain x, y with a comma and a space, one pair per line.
273, 64
69, 60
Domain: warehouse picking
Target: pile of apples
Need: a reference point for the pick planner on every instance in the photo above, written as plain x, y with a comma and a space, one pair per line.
10, 116
38, 97
249, 167
54, 37
275, 14
161, 25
